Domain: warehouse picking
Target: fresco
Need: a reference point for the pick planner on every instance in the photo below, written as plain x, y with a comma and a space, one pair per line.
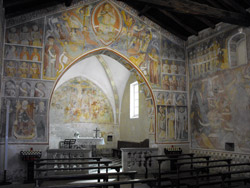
172, 116
219, 93
27, 120
106, 22
69, 34
212, 55
29, 34
220, 110
38, 51
78, 100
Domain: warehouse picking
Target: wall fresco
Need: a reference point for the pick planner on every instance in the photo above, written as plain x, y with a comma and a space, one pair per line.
27, 120
220, 99
42, 49
79, 101
213, 55
172, 116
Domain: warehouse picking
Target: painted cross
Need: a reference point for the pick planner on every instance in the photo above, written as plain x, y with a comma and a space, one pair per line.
96, 131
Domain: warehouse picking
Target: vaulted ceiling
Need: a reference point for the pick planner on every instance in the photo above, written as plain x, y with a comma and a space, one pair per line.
182, 18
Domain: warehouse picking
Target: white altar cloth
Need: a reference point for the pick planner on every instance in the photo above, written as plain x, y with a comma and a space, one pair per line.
89, 141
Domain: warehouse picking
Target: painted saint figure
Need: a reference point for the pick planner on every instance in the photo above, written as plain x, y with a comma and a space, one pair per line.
12, 36
35, 71
171, 123
35, 56
162, 122
10, 69
24, 55
24, 70
182, 122
24, 125
51, 58
107, 22
25, 36
11, 53
154, 62
106, 18
36, 36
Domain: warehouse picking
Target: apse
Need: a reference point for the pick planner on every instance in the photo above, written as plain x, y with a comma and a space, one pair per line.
94, 93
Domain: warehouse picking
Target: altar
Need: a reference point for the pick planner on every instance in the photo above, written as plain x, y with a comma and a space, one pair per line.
89, 142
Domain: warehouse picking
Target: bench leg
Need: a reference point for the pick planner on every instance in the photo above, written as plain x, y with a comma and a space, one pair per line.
37, 184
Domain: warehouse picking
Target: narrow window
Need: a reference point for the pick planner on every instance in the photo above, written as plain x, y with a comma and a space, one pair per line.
134, 100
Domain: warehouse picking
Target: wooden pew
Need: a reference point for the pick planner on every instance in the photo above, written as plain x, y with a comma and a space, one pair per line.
40, 163
225, 179
173, 157
222, 175
116, 184
177, 159
61, 161
115, 167
191, 170
96, 176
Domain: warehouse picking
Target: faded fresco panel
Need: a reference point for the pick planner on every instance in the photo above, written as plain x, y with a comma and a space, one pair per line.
223, 51
28, 34
220, 108
80, 101
27, 120
172, 116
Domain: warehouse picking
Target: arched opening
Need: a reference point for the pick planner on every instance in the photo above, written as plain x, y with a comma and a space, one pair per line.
93, 93
237, 50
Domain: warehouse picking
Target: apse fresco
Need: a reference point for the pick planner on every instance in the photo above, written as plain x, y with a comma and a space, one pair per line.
78, 100
220, 102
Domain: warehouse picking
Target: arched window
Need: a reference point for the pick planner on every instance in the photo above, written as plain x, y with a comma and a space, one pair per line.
237, 50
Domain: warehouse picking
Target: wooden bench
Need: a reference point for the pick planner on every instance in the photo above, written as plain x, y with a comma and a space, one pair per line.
221, 175
159, 174
125, 144
116, 168
191, 155
116, 184
52, 162
225, 178
95, 176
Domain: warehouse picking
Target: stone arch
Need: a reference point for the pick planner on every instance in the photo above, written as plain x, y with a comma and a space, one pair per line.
118, 57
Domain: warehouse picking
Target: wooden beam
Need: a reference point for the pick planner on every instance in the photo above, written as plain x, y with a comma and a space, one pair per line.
11, 3
206, 21
179, 22
234, 6
193, 8
247, 2
165, 26
214, 4
144, 10
16, 11
68, 3
131, 3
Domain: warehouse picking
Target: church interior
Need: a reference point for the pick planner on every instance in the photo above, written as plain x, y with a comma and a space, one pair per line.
124, 93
